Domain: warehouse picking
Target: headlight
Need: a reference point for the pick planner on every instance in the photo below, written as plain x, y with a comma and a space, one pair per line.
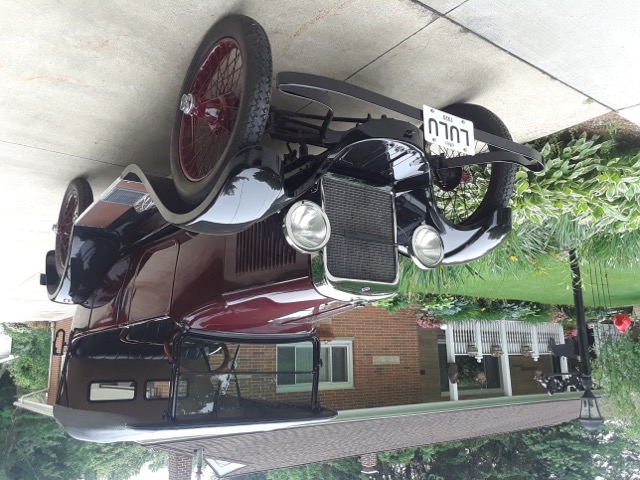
427, 249
306, 227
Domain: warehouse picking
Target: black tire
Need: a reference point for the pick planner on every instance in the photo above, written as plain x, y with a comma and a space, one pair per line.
491, 187
77, 198
198, 168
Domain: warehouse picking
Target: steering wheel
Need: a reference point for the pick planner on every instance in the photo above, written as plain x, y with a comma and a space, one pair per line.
225, 365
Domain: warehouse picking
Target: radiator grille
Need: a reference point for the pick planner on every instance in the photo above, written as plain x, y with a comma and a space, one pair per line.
362, 231
263, 247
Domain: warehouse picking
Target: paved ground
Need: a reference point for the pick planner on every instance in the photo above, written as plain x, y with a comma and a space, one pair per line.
335, 439
89, 87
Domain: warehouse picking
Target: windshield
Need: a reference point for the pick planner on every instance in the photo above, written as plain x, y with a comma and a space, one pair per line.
224, 381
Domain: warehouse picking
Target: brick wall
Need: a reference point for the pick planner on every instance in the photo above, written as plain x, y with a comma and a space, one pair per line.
369, 462
394, 380
377, 333
56, 362
179, 466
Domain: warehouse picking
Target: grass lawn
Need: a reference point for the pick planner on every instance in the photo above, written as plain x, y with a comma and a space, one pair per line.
551, 284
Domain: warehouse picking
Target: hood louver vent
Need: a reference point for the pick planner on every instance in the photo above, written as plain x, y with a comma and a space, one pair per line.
263, 247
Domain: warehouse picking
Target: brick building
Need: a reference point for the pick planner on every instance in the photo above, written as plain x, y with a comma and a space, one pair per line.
387, 381
56, 360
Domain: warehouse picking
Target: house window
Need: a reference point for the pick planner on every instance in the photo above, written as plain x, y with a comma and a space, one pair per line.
336, 371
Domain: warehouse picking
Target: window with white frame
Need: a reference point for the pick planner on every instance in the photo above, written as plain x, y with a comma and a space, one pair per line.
336, 371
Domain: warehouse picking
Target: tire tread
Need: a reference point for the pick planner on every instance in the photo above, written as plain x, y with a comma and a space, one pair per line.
254, 114
85, 198
503, 175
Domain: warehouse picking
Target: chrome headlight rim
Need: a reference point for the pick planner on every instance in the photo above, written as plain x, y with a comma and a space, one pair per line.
288, 227
413, 248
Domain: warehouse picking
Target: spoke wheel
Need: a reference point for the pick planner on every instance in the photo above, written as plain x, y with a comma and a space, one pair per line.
223, 105
465, 195
210, 110
77, 198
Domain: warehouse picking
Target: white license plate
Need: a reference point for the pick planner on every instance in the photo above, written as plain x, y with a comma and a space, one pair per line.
448, 131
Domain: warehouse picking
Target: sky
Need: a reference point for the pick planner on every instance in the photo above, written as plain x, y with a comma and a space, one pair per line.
146, 474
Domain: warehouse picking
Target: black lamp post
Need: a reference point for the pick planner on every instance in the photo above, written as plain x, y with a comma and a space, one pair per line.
590, 417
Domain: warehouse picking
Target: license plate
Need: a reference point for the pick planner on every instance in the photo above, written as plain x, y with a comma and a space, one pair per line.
448, 131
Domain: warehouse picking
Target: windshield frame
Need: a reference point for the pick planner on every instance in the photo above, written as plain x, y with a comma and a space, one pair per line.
314, 404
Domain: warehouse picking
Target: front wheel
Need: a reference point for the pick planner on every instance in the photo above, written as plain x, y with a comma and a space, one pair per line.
77, 198
465, 195
223, 105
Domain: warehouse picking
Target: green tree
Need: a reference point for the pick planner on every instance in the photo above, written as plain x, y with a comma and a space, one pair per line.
565, 451
617, 370
347, 469
35, 447
7, 391
32, 347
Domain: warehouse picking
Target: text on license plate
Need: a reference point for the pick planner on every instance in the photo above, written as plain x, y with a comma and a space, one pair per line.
448, 131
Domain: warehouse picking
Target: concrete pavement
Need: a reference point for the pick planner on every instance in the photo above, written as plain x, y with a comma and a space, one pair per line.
89, 87
590, 45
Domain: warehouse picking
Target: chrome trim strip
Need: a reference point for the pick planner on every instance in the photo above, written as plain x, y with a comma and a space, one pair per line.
345, 289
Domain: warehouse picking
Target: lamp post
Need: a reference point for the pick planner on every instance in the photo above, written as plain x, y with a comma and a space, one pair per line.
590, 417
199, 457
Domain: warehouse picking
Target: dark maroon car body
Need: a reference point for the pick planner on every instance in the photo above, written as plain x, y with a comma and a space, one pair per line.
250, 282
166, 287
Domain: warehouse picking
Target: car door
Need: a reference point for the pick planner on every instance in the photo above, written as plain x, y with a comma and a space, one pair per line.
148, 294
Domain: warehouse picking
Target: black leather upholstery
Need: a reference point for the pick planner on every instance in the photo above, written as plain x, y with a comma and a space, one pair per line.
157, 331
107, 346
141, 342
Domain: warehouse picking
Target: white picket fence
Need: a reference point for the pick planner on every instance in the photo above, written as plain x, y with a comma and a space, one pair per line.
603, 332
512, 337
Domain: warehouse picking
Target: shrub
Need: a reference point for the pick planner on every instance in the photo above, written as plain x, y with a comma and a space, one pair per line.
586, 195
435, 309
617, 371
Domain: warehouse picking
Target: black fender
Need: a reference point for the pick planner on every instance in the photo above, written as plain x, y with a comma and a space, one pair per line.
91, 255
252, 191
462, 244
475, 241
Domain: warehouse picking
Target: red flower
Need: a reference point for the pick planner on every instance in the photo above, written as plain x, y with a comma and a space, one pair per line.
571, 332
430, 322
622, 322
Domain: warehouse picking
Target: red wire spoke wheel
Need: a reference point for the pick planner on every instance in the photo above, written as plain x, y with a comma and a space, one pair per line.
210, 110
223, 105
465, 195
77, 198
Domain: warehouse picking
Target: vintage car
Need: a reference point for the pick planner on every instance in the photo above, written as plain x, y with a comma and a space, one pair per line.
198, 294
